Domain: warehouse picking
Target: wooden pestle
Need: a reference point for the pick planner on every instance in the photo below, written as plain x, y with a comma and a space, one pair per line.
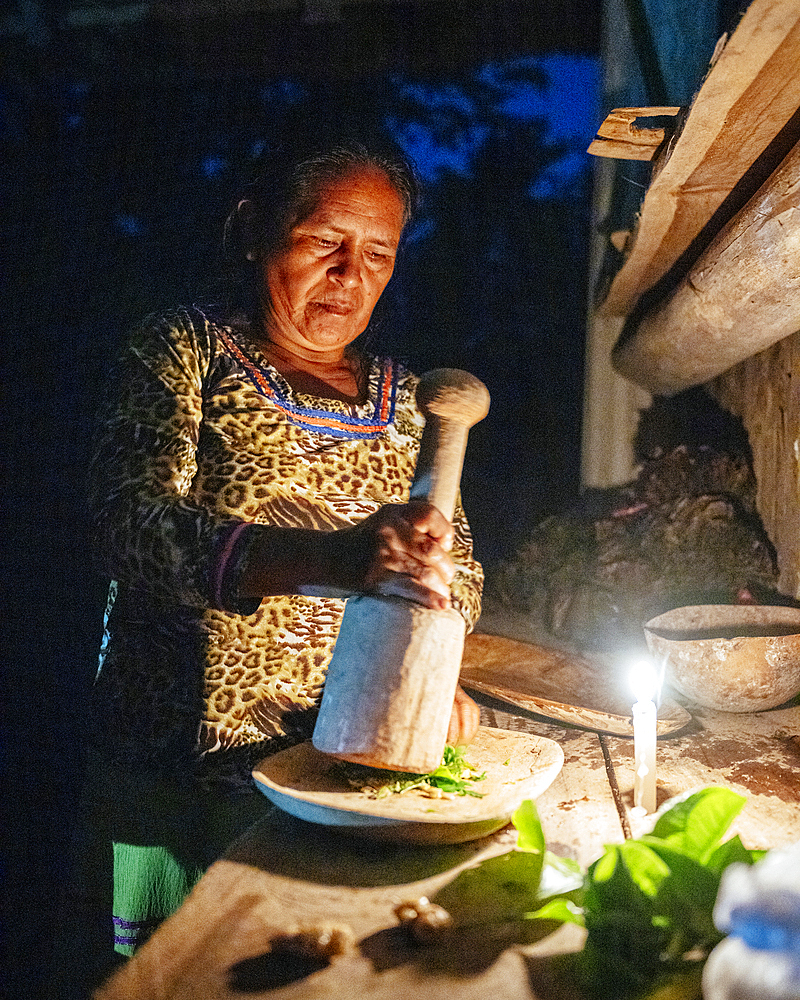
392, 678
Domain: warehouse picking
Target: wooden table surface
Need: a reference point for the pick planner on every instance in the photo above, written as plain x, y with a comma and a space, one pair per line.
287, 874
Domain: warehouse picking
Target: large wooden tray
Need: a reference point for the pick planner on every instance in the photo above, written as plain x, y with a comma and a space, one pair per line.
558, 684
306, 784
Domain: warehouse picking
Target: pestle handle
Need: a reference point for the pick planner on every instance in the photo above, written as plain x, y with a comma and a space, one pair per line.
452, 401
394, 670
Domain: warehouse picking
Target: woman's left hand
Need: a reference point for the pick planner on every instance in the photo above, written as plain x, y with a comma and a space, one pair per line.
464, 720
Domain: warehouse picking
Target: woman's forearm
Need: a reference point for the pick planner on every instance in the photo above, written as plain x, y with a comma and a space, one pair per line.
297, 561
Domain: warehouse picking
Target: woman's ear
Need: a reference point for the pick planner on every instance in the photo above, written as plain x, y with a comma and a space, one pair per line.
246, 218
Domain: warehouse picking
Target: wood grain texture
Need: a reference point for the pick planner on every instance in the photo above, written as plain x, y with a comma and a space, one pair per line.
285, 875
409, 653
739, 298
756, 755
578, 811
747, 98
410, 656
514, 767
452, 401
765, 392
621, 138
564, 686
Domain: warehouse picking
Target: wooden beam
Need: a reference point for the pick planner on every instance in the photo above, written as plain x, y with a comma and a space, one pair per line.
764, 392
747, 99
621, 138
741, 297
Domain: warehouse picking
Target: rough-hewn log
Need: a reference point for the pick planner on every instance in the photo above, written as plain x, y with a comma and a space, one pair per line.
765, 392
742, 296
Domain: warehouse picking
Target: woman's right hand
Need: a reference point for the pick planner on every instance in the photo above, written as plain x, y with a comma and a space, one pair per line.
406, 548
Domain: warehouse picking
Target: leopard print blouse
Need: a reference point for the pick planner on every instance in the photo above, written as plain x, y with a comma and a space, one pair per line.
204, 441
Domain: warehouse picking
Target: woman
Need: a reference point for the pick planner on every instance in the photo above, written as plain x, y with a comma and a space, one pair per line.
253, 472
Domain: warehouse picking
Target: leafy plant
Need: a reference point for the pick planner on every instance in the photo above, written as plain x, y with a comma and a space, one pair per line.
646, 904
522, 887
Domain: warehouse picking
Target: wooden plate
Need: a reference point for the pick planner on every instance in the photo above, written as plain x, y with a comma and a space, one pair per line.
304, 782
558, 684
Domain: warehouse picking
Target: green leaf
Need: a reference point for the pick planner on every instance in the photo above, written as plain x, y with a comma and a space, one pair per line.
610, 888
696, 824
646, 868
454, 775
508, 888
559, 908
499, 889
530, 836
647, 904
685, 900
618, 962
731, 851
603, 869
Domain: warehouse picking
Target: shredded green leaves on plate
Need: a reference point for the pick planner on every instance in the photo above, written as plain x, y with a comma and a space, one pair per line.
454, 776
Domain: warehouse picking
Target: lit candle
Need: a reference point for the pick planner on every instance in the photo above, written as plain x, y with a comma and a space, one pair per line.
645, 684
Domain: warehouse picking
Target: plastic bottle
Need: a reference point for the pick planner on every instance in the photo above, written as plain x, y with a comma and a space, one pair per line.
758, 907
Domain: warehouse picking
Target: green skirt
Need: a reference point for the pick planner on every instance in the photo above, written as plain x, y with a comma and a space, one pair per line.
144, 841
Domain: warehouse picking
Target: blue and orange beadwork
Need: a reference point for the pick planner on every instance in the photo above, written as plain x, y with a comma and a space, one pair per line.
321, 421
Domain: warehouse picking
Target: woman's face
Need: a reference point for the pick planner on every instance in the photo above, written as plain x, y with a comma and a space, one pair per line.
322, 281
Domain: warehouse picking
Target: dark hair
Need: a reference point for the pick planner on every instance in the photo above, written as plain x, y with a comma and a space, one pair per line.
286, 183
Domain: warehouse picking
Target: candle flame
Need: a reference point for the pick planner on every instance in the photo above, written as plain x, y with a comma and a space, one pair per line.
645, 680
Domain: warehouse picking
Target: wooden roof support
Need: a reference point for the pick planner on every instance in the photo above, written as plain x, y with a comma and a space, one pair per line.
748, 97
620, 138
740, 297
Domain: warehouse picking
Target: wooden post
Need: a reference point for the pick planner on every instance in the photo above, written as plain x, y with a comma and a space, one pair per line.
741, 297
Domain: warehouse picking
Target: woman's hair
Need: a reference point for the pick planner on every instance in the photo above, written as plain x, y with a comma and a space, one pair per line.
286, 184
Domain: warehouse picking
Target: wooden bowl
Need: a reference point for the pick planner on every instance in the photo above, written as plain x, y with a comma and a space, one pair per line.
735, 658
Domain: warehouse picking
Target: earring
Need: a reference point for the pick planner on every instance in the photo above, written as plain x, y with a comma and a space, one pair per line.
250, 255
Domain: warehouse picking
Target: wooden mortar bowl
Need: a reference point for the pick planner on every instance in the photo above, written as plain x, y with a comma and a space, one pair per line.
735, 658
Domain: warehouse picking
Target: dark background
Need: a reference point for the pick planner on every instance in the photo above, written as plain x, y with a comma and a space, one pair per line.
123, 143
